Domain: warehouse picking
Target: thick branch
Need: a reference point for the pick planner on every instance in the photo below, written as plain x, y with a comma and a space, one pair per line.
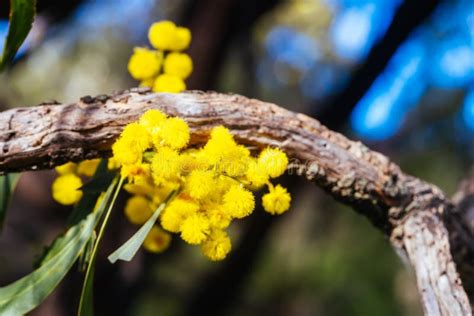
405, 208
461, 228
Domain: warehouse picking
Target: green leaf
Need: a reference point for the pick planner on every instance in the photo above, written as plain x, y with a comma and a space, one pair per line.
127, 251
86, 300
101, 181
7, 185
86, 304
86, 255
81, 210
22, 14
99, 184
25, 294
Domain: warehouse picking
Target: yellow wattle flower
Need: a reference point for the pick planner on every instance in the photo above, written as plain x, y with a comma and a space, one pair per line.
136, 133
174, 133
66, 189
144, 63
218, 217
273, 161
217, 246
88, 167
239, 202
178, 64
144, 189
182, 39
162, 35
256, 176
69, 167
176, 213
133, 141
277, 201
195, 229
147, 82
169, 83
136, 173
138, 210
165, 165
200, 183
151, 120
157, 240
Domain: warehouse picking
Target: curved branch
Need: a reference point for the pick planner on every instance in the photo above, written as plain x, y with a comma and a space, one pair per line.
407, 209
461, 229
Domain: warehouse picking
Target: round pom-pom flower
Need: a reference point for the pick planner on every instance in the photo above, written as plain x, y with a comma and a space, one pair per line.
88, 167
256, 175
217, 246
144, 63
195, 229
66, 189
176, 213
133, 141
69, 167
152, 120
162, 35
277, 201
169, 83
200, 183
165, 165
178, 64
157, 240
181, 40
138, 210
238, 201
174, 133
273, 161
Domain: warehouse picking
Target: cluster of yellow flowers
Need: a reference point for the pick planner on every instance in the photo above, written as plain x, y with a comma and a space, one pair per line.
204, 188
166, 68
144, 65
66, 188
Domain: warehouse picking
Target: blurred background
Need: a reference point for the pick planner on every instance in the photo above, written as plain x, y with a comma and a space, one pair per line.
396, 75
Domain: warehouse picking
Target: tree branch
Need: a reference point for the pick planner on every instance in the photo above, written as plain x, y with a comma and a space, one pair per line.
407, 209
461, 228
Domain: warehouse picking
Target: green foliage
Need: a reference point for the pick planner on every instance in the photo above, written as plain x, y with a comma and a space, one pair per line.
25, 294
7, 185
99, 183
86, 301
127, 251
81, 210
22, 14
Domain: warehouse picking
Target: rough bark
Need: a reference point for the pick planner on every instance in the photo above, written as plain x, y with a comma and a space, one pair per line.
461, 228
410, 211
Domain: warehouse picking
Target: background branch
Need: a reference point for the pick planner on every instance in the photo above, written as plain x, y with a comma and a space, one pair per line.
408, 17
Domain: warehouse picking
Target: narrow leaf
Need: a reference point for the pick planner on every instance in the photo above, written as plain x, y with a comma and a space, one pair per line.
85, 257
25, 294
86, 300
22, 14
99, 184
7, 186
127, 251
101, 179
81, 210
86, 304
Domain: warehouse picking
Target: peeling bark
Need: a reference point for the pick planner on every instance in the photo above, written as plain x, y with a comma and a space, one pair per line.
412, 212
461, 230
